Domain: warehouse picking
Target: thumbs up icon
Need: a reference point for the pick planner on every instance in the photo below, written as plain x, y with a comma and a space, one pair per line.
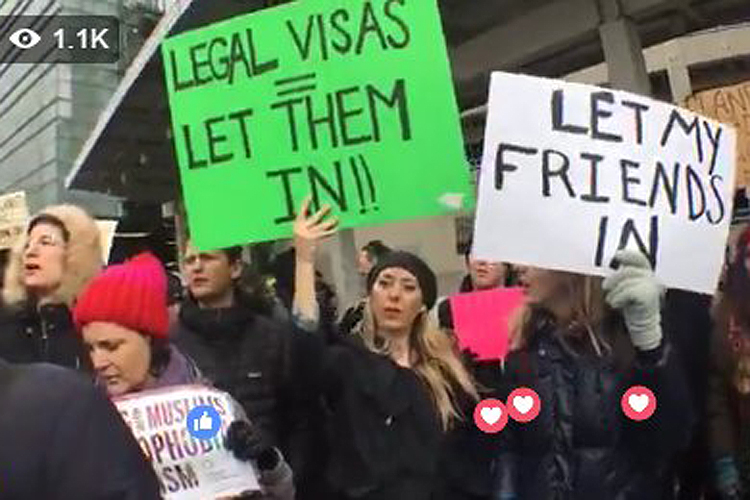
204, 423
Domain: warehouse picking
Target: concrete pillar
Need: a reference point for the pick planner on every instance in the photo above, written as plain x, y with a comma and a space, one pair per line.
624, 56
679, 76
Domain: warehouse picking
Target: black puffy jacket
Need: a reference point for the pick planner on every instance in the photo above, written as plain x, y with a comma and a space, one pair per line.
466, 460
581, 446
46, 334
241, 352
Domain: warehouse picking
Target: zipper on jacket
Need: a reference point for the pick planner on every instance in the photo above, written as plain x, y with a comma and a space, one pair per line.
45, 339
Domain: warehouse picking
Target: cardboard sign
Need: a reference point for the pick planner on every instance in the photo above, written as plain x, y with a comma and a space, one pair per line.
729, 105
481, 320
14, 215
188, 468
349, 101
572, 173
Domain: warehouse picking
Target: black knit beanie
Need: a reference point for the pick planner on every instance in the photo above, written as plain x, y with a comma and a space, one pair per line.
416, 266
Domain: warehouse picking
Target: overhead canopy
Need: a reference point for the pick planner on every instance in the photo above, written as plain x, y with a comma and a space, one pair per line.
129, 153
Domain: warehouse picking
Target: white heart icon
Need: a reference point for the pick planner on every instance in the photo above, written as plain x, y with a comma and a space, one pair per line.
523, 403
491, 415
638, 402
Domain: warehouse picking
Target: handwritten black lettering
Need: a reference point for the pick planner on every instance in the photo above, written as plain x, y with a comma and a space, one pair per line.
599, 112
638, 110
286, 184
558, 112
669, 185
562, 172
627, 180
687, 127
502, 166
593, 196
694, 186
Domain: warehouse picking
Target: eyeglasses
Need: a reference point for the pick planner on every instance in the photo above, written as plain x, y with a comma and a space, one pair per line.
45, 241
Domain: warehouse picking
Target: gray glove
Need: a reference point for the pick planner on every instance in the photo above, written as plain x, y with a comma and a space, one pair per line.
634, 290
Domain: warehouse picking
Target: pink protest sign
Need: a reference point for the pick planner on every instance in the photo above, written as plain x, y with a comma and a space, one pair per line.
481, 320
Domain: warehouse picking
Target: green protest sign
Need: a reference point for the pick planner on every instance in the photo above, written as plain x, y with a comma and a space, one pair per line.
350, 101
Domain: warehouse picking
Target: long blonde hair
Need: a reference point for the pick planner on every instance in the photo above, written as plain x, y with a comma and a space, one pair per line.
582, 311
437, 361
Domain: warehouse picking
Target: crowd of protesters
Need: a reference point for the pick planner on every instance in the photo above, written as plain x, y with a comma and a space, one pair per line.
375, 403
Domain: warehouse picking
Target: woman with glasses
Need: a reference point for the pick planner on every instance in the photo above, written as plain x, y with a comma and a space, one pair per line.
60, 253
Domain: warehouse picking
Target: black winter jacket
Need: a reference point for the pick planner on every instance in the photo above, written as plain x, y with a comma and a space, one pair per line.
242, 353
46, 334
61, 439
467, 458
581, 446
383, 429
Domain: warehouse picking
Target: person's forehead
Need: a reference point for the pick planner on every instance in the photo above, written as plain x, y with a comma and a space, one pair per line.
108, 330
43, 228
192, 250
398, 273
476, 261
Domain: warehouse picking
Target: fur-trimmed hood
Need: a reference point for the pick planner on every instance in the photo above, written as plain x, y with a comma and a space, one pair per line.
83, 258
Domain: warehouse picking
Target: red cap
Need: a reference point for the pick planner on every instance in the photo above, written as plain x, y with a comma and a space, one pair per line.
133, 295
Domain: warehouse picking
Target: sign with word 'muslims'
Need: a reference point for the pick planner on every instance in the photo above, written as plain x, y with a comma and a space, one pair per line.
350, 102
572, 173
188, 467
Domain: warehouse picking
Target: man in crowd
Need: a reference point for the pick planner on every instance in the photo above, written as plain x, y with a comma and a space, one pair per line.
368, 256
61, 438
229, 332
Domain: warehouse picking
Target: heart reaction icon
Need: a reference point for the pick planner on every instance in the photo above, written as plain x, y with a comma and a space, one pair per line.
524, 405
638, 403
491, 416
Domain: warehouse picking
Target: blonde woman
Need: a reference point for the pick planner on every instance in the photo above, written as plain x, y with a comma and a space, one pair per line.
581, 343
394, 388
59, 254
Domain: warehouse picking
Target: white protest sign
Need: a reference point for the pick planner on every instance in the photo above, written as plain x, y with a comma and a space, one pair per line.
14, 215
107, 229
571, 173
188, 468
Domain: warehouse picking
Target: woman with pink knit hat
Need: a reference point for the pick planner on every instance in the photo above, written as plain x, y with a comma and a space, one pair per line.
123, 318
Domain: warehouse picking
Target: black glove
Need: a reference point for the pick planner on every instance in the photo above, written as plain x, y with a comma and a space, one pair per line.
248, 442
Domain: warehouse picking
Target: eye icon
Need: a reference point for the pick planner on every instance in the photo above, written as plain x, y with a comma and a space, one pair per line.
24, 38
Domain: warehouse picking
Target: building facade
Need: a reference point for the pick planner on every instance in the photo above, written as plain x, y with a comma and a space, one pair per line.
47, 111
